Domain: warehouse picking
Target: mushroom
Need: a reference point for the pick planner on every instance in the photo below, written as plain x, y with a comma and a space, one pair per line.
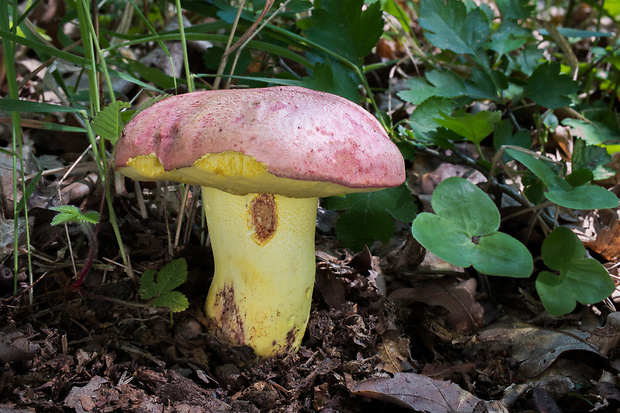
263, 158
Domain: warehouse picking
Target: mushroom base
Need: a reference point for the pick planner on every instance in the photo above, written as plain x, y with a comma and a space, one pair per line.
263, 247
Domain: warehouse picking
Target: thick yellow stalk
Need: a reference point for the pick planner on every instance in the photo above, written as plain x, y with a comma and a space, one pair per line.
263, 247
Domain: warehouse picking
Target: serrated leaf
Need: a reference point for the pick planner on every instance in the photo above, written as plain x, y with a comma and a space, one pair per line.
593, 158
332, 78
474, 128
440, 83
548, 88
580, 279
463, 231
174, 300
72, 214
148, 288
160, 287
370, 215
450, 26
345, 28
593, 133
422, 120
107, 123
508, 37
172, 275
515, 9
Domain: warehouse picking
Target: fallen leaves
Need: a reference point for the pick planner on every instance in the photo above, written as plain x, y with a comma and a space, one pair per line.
458, 297
422, 393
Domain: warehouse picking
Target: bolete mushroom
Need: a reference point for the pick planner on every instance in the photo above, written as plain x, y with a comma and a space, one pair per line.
263, 158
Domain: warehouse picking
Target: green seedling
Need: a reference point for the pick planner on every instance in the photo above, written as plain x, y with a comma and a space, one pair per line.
464, 232
576, 279
569, 193
70, 214
159, 286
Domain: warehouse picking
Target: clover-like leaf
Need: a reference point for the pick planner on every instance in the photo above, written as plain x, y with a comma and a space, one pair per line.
464, 231
578, 279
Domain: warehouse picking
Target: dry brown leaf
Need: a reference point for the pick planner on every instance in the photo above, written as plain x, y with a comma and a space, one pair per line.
393, 352
534, 347
607, 242
421, 393
464, 312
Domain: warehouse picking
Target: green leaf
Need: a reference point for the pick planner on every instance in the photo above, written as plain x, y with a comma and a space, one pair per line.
422, 120
548, 88
28, 192
579, 279
515, 9
169, 277
174, 300
579, 177
561, 192
508, 37
502, 135
148, 288
464, 231
107, 123
345, 28
450, 26
593, 133
332, 78
440, 83
19, 105
71, 214
593, 158
474, 128
370, 215
576, 33
172, 275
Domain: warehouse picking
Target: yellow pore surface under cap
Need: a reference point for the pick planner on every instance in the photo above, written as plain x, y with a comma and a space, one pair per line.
234, 173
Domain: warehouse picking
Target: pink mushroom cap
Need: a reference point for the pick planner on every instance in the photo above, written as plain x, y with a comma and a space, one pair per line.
299, 134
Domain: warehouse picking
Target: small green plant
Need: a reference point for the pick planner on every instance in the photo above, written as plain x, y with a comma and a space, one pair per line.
159, 286
70, 214
464, 231
489, 75
577, 279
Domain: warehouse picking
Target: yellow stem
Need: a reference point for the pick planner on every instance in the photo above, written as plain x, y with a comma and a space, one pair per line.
263, 247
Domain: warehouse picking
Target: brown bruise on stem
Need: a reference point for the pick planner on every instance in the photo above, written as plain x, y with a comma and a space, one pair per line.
263, 218
228, 316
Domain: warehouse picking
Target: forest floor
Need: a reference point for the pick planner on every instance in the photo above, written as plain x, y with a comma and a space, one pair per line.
391, 329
